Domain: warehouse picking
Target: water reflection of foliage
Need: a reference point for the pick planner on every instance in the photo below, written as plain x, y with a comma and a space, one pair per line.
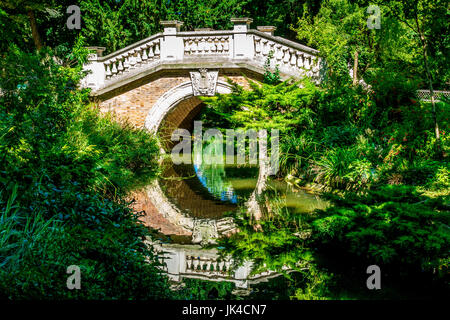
213, 178
277, 241
397, 228
218, 177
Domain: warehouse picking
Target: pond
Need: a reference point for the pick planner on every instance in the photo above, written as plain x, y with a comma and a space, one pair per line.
210, 191
207, 194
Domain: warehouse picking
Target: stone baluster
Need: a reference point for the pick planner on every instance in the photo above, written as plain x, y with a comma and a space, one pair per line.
194, 45
114, 68
306, 61
271, 48
226, 45
299, 59
144, 53
207, 45
286, 56
200, 265
201, 45
120, 66
126, 65
219, 45
138, 57
187, 46
279, 52
189, 263
293, 57
108, 69
257, 45
195, 264
132, 59
151, 55
265, 51
316, 67
213, 45
157, 51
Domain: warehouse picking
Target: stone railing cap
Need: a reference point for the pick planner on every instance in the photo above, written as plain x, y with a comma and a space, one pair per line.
266, 28
241, 20
99, 50
171, 23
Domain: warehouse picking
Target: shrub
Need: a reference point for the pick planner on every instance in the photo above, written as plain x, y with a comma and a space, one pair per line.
66, 227
342, 168
64, 172
296, 152
393, 226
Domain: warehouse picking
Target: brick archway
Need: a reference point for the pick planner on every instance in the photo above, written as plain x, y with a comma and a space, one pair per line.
180, 97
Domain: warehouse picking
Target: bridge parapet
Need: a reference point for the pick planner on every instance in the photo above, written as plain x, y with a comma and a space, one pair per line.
237, 48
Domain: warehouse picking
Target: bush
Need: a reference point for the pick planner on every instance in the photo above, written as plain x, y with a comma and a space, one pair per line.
343, 168
64, 173
65, 227
296, 152
393, 226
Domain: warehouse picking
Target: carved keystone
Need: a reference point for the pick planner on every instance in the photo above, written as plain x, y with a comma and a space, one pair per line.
204, 232
204, 82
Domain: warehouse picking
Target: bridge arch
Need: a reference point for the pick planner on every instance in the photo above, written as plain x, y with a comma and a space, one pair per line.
172, 98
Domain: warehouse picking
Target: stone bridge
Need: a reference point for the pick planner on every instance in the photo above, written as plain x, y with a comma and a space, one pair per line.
159, 79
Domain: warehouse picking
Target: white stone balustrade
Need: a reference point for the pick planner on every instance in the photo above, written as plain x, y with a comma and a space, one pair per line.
241, 47
132, 59
207, 45
290, 60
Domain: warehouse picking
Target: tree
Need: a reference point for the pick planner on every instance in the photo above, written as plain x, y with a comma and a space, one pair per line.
340, 33
28, 7
421, 17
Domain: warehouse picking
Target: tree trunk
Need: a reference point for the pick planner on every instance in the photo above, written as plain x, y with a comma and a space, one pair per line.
423, 40
355, 68
430, 85
34, 30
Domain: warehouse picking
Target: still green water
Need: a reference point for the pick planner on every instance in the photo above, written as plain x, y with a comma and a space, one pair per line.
208, 191
211, 191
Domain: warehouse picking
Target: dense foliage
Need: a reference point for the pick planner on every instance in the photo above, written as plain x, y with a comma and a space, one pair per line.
342, 138
372, 143
65, 171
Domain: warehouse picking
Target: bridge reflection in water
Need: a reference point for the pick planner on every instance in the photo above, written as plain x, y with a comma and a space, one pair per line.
198, 198
208, 191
